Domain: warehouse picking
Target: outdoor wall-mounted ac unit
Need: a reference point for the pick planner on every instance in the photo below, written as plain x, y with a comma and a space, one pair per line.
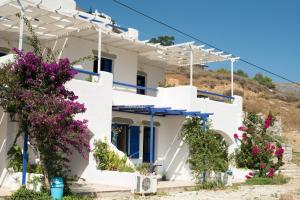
145, 185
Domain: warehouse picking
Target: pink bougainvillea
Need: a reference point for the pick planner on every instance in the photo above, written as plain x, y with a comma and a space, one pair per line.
255, 150
45, 107
235, 136
262, 165
242, 128
259, 151
268, 121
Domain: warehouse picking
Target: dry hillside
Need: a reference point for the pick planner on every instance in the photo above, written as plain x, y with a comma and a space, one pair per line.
258, 98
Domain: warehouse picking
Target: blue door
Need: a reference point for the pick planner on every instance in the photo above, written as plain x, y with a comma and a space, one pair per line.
134, 139
146, 144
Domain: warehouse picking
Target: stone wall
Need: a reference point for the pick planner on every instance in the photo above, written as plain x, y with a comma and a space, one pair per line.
288, 153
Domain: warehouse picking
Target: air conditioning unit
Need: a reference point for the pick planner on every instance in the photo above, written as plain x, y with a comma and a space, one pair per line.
145, 184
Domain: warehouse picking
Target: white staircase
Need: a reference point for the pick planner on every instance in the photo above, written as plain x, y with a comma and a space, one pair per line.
291, 170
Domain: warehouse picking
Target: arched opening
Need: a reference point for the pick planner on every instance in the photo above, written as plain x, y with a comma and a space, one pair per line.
224, 136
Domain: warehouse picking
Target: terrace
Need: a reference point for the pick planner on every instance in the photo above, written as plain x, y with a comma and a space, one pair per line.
137, 66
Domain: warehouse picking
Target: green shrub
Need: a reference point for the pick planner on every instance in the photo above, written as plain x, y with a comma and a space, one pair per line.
25, 194
208, 151
143, 168
222, 71
276, 180
107, 159
211, 185
240, 72
15, 157
264, 80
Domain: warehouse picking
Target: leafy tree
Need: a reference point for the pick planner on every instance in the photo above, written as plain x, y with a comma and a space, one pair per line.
163, 40
33, 91
207, 150
264, 80
90, 10
240, 72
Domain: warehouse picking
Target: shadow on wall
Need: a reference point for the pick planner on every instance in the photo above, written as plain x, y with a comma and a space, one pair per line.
8, 132
79, 163
176, 155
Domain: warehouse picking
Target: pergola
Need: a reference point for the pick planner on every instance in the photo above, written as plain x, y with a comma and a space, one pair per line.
51, 25
158, 111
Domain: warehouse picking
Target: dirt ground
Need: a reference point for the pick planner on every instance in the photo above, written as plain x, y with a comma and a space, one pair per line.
289, 191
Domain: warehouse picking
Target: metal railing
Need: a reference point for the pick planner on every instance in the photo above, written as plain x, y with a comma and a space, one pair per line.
116, 83
83, 71
223, 97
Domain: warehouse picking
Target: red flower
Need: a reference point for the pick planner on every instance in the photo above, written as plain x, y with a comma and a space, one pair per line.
268, 121
279, 152
255, 150
248, 177
273, 147
242, 128
271, 172
244, 136
262, 165
236, 136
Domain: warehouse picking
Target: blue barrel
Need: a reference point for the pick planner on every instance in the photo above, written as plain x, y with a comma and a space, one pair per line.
57, 188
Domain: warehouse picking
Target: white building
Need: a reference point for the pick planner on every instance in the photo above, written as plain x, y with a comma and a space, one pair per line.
122, 91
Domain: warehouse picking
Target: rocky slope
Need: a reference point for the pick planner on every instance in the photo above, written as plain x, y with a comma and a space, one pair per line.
284, 101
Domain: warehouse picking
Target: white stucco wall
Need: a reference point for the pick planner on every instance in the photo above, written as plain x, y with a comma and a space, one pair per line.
97, 98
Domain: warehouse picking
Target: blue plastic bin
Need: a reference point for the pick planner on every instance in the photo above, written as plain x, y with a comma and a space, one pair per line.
57, 188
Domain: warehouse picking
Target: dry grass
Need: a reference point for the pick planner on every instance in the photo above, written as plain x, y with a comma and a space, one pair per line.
257, 98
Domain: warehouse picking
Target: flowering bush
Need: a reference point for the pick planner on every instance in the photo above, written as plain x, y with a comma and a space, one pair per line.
32, 88
258, 151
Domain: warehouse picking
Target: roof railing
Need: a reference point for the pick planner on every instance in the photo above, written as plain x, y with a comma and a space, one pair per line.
116, 83
224, 97
83, 71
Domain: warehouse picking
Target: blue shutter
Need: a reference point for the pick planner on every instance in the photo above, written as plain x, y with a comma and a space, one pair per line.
134, 145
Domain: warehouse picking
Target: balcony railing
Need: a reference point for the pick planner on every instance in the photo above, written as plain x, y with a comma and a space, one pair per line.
153, 91
83, 71
215, 96
147, 90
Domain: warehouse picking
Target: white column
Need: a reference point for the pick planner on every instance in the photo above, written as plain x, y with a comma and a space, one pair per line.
231, 62
99, 48
21, 33
191, 68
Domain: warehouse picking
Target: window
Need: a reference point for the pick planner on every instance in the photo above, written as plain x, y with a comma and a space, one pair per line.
106, 65
141, 81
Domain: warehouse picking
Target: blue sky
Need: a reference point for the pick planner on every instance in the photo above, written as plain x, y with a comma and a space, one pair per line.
265, 32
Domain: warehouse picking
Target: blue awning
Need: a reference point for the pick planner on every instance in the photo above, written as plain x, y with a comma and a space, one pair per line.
157, 111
